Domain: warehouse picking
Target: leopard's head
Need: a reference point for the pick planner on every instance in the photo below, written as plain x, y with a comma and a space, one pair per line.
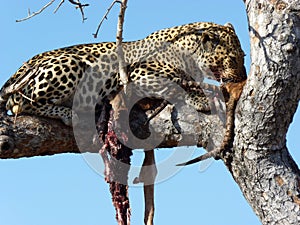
217, 48
220, 50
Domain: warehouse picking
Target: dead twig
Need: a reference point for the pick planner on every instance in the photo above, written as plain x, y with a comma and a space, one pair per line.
30, 15
105, 17
59, 5
80, 6
77, 3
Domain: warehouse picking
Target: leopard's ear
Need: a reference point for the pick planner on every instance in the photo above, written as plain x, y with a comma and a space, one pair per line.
229, 25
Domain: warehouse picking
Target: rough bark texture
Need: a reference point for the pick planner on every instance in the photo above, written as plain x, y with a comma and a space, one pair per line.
261, 164
119, 41
28, 136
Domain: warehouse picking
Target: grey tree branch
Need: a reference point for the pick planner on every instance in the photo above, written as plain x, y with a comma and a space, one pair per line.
119, 45
78, 5
30, 15
105, 17
59, 5
30, 136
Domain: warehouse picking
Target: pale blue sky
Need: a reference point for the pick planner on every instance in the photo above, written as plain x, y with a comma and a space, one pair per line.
63, 189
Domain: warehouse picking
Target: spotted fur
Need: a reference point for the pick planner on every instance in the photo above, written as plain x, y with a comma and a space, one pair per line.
47, 83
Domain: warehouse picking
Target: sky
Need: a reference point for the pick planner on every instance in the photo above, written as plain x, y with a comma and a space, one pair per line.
65, 189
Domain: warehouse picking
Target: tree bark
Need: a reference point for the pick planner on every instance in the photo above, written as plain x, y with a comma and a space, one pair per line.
261, 164
28, 136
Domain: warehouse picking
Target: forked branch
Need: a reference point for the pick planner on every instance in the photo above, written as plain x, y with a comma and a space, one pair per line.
77, 3
30, 15
105, 17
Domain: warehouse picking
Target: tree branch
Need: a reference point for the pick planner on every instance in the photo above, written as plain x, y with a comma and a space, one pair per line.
78, 5
105, 16
119, 46
30, 15
30, 136
59, 5
34, 136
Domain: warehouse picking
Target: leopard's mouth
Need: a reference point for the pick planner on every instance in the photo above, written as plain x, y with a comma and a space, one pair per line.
234, 75
217, 73
229, 74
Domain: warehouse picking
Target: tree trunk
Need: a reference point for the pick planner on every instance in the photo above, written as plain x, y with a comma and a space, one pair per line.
261, 164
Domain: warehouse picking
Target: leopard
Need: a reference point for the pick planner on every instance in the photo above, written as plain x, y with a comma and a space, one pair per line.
45, 85
168, 64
